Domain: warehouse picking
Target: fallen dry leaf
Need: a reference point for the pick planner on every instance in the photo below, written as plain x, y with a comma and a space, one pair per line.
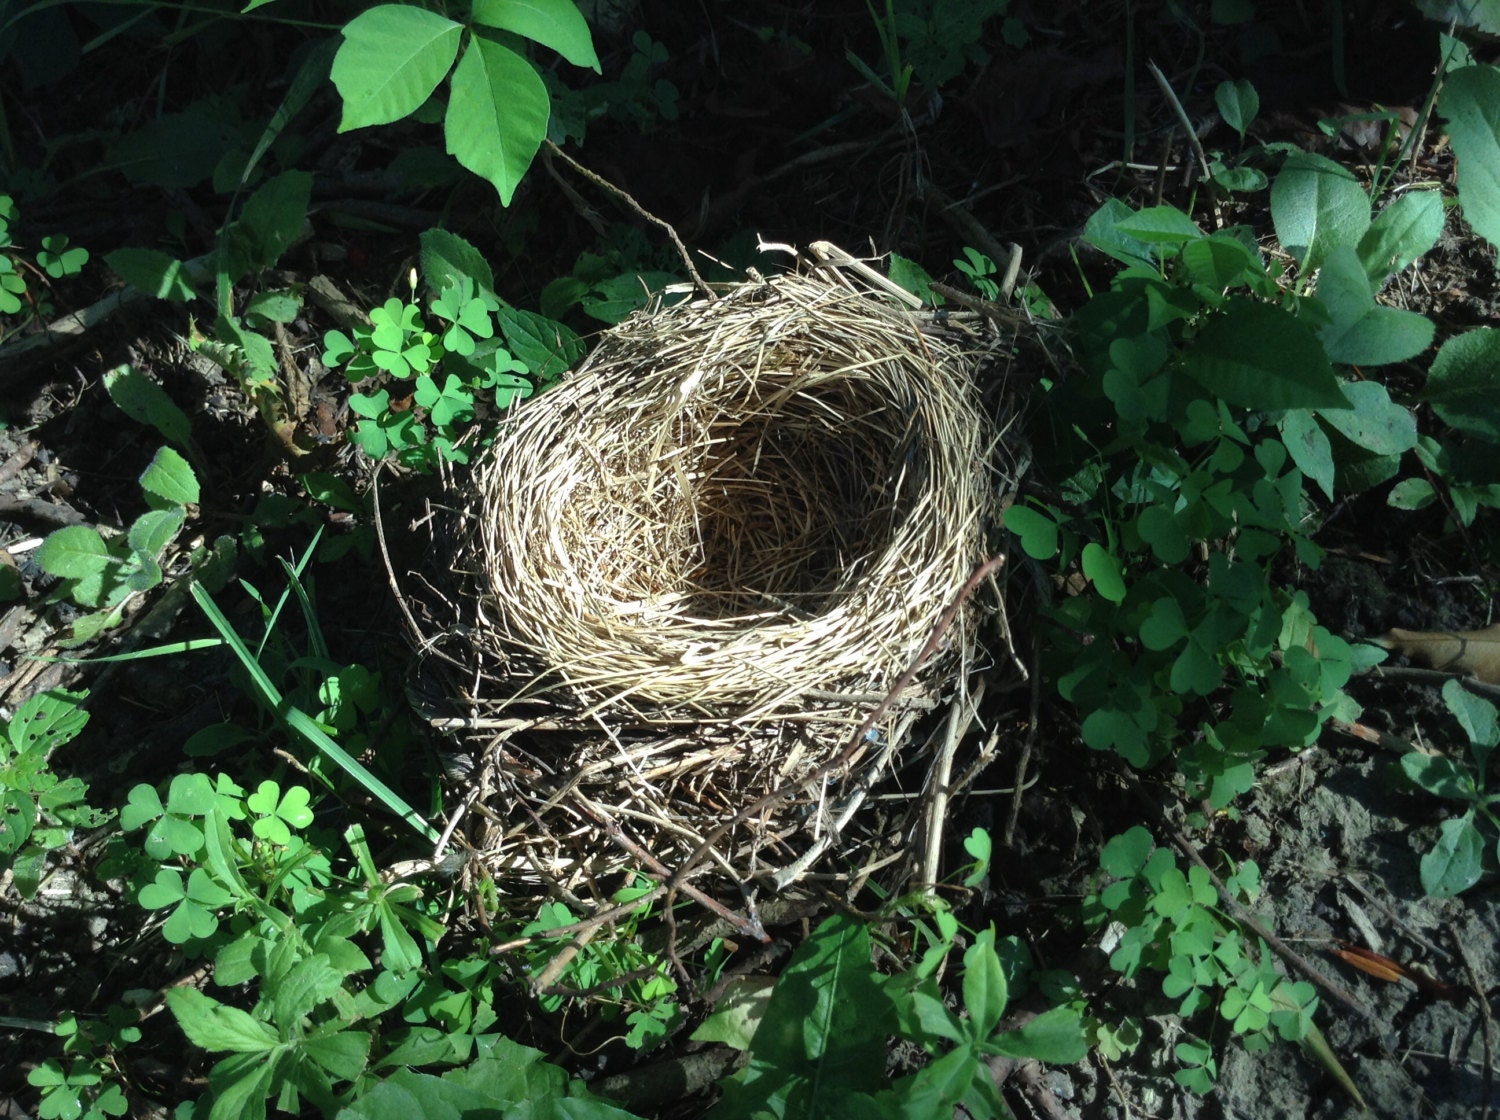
1476, 652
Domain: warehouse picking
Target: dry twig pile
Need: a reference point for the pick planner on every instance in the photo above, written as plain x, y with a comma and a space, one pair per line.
693, 572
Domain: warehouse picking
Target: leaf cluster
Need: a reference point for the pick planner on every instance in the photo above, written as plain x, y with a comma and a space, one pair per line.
39, 810
1457, 860
1170, 922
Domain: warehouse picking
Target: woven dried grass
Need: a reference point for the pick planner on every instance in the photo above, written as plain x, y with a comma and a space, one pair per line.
693, 572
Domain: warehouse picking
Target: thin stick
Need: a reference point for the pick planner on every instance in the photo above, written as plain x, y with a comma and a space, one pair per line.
605, 185
964, 709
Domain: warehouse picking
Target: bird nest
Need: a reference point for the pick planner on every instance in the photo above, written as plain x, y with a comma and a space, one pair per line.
705, 589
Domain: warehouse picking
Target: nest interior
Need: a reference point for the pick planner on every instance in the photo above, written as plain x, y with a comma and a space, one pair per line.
687, 578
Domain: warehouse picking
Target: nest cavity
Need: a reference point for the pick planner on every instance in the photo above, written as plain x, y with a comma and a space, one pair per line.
735, 505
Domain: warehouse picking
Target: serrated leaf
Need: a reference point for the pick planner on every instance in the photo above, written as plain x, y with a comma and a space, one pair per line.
271, 220
75, 552
343, 1054
153, 272
546, 348
553, 23
392, 58
1260, 356
738, 1013
46, 721
170, 478
497, 114
153, 530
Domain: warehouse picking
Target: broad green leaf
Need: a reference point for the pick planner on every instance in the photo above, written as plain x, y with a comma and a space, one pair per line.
1104, 233
447, 259
1475, 713
392, 58
1238, 104
1124, 855
155, 529
146, 402
169, 477
985, 990
1219, 261
46, 721
1361, 332
343, 1053
1037, 531
547, 349
1401, 233
1103, 570
1160, 224
497, 114
738, 1013
1437, 775
311, 981
216, 1026
1260, 356
1374, 422
824, 1032
910, 275
1463, 385
272, 219
1309, 447
1056, 1036
1470, 102
1456, 860
1316, 206
553, 23
1480, 15
153, 272
75, 552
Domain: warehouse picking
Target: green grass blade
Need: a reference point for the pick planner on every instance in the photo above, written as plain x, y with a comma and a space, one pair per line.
304, 725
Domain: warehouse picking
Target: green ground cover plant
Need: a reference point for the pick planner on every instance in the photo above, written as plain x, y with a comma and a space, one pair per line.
1226, 398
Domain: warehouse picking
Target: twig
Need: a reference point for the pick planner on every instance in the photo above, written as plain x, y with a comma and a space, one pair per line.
960, 715
1018, 787
605, 185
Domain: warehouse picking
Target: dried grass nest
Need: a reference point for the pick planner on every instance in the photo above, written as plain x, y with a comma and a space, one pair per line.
688, 576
